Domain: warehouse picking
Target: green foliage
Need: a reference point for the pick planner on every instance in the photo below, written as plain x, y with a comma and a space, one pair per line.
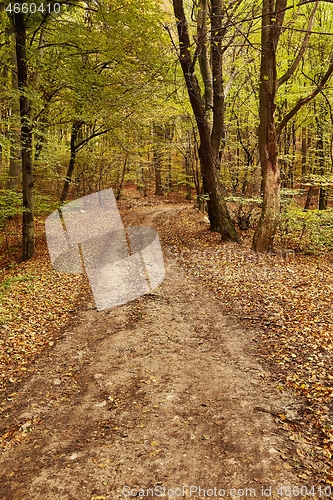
318, 180
307, 231
7, 283
10, 205
111, 65
44, 204
203, 197
289, 194
244, 201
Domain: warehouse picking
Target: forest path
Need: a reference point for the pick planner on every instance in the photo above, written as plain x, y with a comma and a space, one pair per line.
162, 392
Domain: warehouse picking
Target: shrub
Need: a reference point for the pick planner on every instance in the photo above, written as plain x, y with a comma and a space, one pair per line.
307, 231
10, 205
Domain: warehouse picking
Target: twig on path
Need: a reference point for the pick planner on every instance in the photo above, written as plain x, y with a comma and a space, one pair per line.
278, 415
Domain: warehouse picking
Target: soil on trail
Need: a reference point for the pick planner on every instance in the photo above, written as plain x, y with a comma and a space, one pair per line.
161, 393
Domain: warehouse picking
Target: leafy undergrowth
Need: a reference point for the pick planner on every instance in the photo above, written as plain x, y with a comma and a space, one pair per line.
287, 298
36, 303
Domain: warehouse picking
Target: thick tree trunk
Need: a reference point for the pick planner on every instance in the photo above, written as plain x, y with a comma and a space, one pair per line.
218, 213
209, 146
270, 211
268, 222
28, 231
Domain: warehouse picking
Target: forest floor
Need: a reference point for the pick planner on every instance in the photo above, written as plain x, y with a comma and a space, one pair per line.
219, 383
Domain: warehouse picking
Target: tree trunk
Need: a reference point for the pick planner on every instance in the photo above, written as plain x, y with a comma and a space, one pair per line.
157, 158
322, 205
218, 213
308, 198
159, 191
3, 118
217, 133
292, 162
268, 222
28, 231
39, 136
169, 131
304, 153
121, 178
320, 157
203, 43
196, 171
77, 124
188, 176
15, 162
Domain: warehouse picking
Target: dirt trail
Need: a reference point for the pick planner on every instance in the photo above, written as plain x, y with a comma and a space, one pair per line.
162, 392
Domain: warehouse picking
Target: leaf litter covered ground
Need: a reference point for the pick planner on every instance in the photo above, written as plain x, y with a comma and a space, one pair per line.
165, 390
36, 302
290, 298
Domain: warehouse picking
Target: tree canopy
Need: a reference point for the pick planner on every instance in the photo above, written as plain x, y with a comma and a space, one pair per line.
173, 95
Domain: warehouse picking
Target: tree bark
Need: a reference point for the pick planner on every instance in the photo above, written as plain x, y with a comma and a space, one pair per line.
3, 113
203, 41
218, 213
15, 162
320, 157
308, 199
304, 152
42, 118
77, 124
169, 130
28, 231
121, 178
270, 32
159, 191
272, 18
217, 134
322, 203
159, 135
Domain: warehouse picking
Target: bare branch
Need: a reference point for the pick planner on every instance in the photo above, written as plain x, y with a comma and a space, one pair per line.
303, 48
81, 144
166, 27
305, 100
